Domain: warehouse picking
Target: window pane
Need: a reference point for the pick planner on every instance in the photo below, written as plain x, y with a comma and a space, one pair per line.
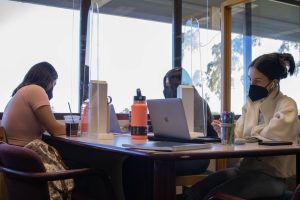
271, 26
33, 33
201, 48
134, 50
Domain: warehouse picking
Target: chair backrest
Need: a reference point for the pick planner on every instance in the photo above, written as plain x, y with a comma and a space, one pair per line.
24, 160
3, 137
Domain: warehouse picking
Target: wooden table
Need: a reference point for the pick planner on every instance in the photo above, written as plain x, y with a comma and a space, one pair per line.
163, 167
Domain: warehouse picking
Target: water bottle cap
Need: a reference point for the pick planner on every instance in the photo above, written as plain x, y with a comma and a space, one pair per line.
139, 96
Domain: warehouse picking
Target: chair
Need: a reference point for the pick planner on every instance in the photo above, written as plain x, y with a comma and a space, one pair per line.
26, 177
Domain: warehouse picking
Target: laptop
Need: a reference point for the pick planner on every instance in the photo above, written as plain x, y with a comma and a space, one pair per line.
169, 122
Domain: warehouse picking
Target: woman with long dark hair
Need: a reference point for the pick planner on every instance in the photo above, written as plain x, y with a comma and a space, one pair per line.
28, 113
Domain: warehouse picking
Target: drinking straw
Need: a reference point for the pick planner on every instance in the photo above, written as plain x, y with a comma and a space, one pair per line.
71, 112
232, 127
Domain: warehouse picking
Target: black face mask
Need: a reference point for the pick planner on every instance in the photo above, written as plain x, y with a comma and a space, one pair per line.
170, 92
258, 92
50, 93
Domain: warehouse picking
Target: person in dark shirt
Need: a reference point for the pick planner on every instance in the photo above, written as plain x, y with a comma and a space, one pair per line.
136, 170
171, 81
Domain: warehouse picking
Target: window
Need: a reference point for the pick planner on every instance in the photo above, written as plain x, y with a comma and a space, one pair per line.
32, 33
134, 50
135, 47
132, 46
201, 55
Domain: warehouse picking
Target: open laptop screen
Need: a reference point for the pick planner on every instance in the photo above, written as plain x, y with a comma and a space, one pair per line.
168, 118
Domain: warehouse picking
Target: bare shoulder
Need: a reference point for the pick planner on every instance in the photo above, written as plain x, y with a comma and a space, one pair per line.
33, 87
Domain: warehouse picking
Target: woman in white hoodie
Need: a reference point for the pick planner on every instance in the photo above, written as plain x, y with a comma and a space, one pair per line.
268, 114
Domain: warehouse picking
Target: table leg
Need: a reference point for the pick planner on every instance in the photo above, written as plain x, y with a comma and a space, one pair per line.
164, 180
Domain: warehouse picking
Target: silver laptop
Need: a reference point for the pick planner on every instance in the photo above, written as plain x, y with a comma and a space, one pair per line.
168, 119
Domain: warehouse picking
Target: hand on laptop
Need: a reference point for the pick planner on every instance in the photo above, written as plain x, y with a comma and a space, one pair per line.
216, 124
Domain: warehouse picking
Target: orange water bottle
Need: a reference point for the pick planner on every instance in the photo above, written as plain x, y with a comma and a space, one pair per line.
139, 116
84, 116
